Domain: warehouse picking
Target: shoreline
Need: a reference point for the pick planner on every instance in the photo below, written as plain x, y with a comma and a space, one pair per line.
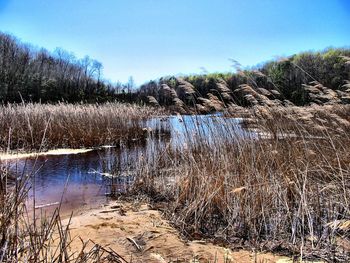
62, 151
136, 230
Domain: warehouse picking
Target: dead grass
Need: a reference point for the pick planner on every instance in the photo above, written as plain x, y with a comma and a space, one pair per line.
287, 193
38, 126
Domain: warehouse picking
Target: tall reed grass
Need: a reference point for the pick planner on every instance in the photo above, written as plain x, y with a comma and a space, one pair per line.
286, 189
38, 126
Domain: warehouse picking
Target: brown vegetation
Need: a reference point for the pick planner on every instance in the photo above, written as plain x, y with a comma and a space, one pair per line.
38, 126
285, 192
285, 189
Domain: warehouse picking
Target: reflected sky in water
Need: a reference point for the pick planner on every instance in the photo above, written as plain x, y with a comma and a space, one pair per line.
84, 174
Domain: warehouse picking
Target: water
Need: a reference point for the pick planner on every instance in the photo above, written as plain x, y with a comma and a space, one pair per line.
77, 181
81, 181
186, 129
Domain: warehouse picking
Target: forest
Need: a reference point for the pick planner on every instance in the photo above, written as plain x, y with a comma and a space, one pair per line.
36, 75
287, 81
30, 74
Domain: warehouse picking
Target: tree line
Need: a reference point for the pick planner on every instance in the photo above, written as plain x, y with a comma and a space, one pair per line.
285, 76
36, 75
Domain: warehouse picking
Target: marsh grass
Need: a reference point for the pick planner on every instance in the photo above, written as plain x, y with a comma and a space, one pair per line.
288, 192
40, 126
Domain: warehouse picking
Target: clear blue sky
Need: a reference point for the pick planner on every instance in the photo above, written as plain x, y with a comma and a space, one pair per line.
152, 38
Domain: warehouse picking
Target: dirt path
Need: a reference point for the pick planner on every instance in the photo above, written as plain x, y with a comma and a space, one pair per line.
140, 234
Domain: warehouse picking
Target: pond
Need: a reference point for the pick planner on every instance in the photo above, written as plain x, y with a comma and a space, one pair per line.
82, 181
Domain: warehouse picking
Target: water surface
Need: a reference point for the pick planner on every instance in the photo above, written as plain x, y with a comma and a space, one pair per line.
82, 181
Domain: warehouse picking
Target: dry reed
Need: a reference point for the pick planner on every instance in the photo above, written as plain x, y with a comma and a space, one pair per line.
285, 189
38, 126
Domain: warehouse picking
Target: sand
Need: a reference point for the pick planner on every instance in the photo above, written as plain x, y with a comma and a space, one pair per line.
137, 232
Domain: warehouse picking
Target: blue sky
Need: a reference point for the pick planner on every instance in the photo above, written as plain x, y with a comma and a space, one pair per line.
148, 39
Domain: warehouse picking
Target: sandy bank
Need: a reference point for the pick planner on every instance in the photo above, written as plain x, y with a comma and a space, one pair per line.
138, 232
11, 156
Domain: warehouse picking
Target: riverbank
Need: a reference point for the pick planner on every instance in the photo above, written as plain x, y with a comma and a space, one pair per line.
287, 191
136, 231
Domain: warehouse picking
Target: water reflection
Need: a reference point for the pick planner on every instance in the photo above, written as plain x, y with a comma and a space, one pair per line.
80, 181
87, 176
